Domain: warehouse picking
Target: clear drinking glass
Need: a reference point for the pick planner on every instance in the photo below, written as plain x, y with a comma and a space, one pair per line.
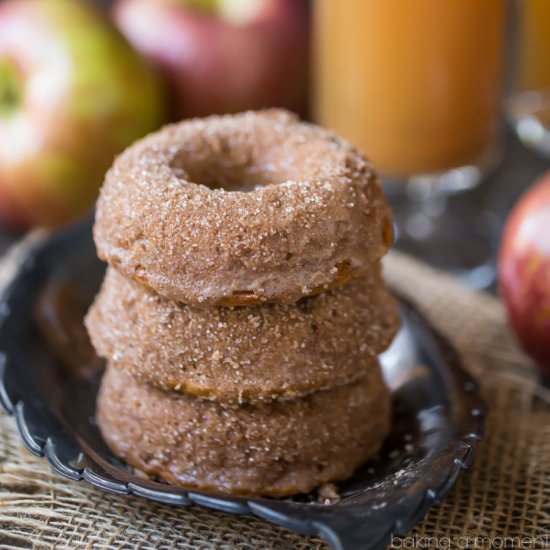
417, 85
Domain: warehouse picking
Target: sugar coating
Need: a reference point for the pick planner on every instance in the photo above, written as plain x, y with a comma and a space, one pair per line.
272, 449
244, 354
257, 210
240, 209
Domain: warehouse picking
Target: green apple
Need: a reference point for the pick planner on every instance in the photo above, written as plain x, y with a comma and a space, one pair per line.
72, 95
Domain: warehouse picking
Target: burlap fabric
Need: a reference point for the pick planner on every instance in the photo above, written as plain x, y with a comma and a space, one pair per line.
506, 494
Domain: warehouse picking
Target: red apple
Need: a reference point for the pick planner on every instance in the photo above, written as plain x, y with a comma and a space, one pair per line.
524, 270
223, 56
72, 94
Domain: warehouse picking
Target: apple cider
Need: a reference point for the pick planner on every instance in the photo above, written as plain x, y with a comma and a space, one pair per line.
534, 45
528, 106
415, 83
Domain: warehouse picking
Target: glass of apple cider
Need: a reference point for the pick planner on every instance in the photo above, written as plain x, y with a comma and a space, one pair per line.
416, 84
528, 104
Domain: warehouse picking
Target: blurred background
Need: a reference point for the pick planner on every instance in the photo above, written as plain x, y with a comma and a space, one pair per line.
450, 100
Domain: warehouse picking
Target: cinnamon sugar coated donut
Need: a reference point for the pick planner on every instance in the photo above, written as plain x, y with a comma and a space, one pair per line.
241, 209
272, 449
245, 354
243, 309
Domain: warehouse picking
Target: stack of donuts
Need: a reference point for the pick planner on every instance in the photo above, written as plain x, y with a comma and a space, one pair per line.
243, 309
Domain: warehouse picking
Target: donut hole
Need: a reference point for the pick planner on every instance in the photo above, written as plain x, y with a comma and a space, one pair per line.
241, 162
230, 178
229, 170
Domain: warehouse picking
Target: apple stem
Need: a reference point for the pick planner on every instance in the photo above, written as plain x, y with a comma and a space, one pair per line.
10, 89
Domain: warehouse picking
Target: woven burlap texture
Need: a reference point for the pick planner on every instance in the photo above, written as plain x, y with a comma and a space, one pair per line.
506, 493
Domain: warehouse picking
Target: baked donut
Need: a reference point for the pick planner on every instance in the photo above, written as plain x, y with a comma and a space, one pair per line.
244, 354
272, 449
241, 209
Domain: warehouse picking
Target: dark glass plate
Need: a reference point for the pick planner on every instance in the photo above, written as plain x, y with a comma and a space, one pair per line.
438, 414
